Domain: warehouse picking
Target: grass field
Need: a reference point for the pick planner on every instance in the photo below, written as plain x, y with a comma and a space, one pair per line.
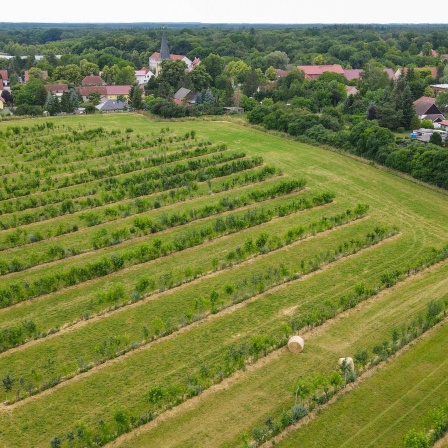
151, 306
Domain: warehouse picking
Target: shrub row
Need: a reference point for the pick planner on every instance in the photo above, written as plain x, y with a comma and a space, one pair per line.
161, 397
17, 292
142, 225
118, 345
146, 286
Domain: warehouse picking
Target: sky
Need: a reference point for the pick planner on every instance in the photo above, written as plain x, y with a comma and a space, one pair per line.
224, 11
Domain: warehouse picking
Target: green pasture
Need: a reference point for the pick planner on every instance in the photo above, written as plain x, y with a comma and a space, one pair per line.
246, 306
67, 348
225, 417
398, 398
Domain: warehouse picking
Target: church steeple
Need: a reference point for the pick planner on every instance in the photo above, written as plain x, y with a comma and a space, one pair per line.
164, 50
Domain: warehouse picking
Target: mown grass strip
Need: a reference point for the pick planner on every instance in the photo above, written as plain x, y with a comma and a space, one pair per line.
392, 413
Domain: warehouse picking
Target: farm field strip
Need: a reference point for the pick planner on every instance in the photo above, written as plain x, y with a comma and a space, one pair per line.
95, 156
27, 285
151, 172
13, 237
161, 218
170, 322
80, 149
40, 316
227, 415
29, 200
180, 306
397, 396
15, 320
138, 225
101, 172
191, 262
27, 219
133, 188
215, 338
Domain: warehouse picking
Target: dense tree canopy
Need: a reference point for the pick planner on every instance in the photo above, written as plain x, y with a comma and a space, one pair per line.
240, 66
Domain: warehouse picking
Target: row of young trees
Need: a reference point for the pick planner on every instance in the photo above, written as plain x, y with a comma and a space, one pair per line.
142, 225
319, 389
250, 352
234, 222
264, 243
312, 393
259, 345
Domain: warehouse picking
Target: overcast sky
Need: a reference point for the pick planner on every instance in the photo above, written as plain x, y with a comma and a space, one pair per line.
224, 11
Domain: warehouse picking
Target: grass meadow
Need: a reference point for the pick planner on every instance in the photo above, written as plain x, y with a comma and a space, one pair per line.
152, 272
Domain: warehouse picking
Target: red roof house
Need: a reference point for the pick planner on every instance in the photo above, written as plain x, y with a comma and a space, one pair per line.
93, 80
56, 88
27, 76
426, 109
314, 71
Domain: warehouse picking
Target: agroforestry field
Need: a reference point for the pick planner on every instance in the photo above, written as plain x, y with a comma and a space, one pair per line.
151, 274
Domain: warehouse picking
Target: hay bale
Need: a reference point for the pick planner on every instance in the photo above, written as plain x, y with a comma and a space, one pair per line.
295, 344
348, 361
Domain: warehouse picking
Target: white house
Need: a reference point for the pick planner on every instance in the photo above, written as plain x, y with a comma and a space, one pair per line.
143, 75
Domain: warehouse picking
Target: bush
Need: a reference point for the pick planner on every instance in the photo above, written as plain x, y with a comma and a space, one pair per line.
25, 109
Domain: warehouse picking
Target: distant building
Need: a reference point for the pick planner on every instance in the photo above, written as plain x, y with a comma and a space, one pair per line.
234, 109
143, 75
112, 106
56, 89
444, 125
4, 76
26, 77
439, 87
424, 135
156, 58
314, 71
184, 95
105, 92
426, 109
351, 90
404, 70
93, 80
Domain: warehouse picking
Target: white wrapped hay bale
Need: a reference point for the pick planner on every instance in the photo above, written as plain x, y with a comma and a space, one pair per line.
348, 362
295, 344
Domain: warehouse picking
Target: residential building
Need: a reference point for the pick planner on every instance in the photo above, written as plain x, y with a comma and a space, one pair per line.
439, 87
404, 71
314, 71
426, 109
106, 92
143, 75
56, 89
4, 77
26, 77
444, 125
184, 95
112, 106
93, 80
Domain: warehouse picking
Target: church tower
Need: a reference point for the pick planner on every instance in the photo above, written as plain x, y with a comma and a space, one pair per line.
164, 49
